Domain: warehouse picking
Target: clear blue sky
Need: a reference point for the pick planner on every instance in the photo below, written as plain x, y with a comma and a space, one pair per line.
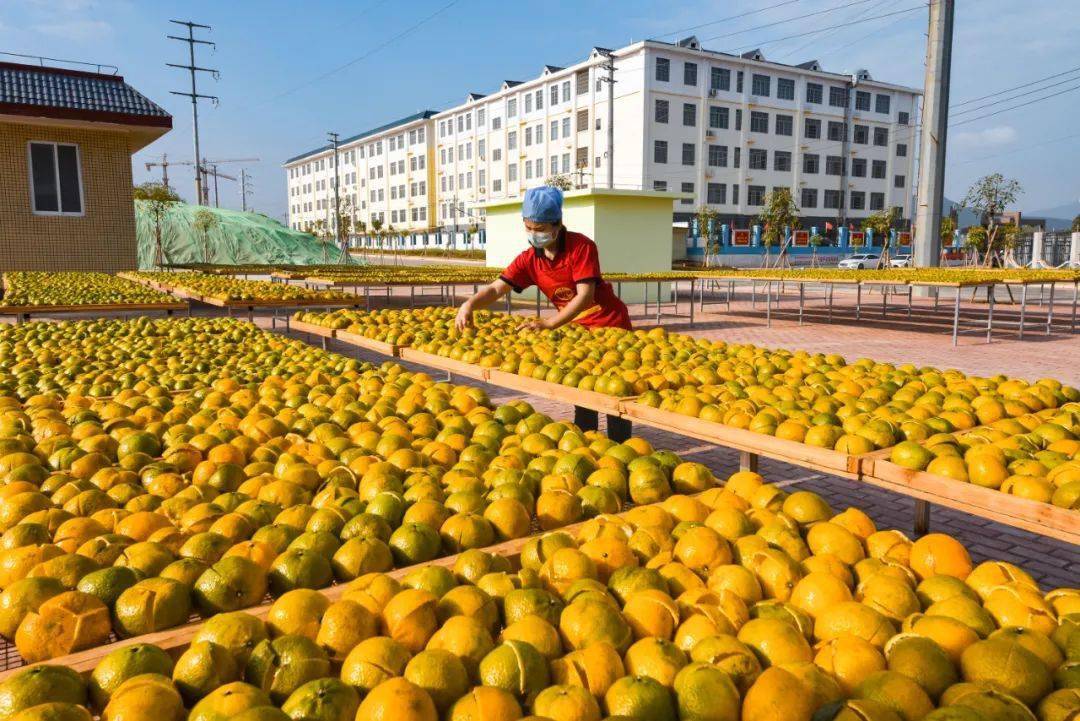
271, 54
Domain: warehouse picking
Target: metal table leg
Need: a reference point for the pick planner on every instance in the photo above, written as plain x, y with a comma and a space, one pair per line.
990, 317
830, 289
731, 292
956, 317
1076, 286
692, 303
537, 302
801, 286
508, 302
748, 461
1050, 308
858, 301
884, 299
922, 517
1023, 308
412, 296
768, 303
909, 292
658, 303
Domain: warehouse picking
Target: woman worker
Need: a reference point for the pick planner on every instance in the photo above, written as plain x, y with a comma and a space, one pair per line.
564, 265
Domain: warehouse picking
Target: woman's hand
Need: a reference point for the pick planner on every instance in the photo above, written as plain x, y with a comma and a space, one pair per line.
534, 324
464, 316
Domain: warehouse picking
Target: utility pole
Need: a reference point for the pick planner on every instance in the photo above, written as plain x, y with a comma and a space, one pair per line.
935, 122
245, 188
192, 68
333, 138
610, 80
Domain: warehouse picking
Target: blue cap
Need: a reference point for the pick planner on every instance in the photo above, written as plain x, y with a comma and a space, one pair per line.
543, 204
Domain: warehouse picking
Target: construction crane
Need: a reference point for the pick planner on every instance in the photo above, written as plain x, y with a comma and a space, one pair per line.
210, 168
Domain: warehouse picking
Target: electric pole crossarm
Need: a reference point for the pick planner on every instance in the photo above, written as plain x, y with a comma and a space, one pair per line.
193, 40
193, 67
195, 96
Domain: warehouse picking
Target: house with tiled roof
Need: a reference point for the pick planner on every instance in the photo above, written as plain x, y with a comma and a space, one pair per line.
66, 141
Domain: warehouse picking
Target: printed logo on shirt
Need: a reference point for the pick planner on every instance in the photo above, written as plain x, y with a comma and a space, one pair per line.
562, 295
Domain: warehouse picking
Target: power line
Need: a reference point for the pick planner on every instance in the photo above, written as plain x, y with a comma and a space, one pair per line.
1018, 87
1015, 97
1021, 149
831, 27
730, 17
859, 14
1021, 105
791, 19
191, 67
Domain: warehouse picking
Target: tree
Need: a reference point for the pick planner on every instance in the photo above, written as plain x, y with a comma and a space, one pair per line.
975, 241
204, 222
880, 222
948, 231
989, 196
560, 181
780, 216
706, 217
158, 199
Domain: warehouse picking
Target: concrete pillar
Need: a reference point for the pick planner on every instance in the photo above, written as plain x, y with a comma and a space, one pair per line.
755, 236
725, 235
1074, 250
1037, 249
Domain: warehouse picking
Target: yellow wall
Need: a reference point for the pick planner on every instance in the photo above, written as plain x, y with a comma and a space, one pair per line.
103, 238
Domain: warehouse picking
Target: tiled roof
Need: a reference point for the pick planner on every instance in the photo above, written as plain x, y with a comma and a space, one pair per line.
58, 92
422, 115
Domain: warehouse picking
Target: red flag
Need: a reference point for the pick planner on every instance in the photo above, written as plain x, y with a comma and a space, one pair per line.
828, 226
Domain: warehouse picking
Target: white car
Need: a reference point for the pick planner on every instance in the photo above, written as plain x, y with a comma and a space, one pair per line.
859, 261
900, 261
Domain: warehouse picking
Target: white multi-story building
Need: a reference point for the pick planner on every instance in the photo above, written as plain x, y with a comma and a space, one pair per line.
724, 129
386, 179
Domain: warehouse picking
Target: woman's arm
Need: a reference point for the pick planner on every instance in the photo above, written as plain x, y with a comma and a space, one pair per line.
583, 300
480, 300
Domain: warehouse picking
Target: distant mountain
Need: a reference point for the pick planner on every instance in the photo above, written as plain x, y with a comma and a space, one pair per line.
964, 219
1060, 217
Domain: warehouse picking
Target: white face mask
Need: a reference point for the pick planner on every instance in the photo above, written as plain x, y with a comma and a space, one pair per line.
539, 240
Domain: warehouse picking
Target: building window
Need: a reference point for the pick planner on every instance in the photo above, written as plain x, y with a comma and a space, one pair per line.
55, 179
838, 97
759, 122
858, 199
861, 134
785, 124
814, 93
734, 193
511, 108
554, 94
718, 118
661, 113
858, 167
877, 201
736, 161
554, 165
660, 185
581, 81
882, 103
862, 102
755, 195
739, 86
716, 194
809, 198
881, 136
689, 115
688, 153
659, 151
496, 185
528, 170
539, 134
496, 123
479, 122
539, 99
758, 159
738, 118
688, 188
528, 137
566, 162
898, 181
553, 132
760, 85
812, 128
901, 150
720, 79
528, 102
837, 130
582, 120
663, 70
689, 74
834, 165
902, 118
782, 160
718, 156
877, 169
566, 127
785, 88
833, 199
511, 172
511, 140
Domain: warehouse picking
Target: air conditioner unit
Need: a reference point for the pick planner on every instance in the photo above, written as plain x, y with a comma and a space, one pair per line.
712, 92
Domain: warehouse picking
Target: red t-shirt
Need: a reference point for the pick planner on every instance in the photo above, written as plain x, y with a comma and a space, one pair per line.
576, 261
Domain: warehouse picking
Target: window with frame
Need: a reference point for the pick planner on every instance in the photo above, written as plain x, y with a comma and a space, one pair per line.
837, 130
858, 167
660, 185
511, 173
582, 158
812, 128
496, 185
687, 188
460, 128
862, 100
554, 94
898, 181
882, 103
785, 124
479, 121
782, 160
528, 170
689, 74
598, 122
877, 201
720, 79
858, 200
814, 93
861, 134
881, 137
718, 155
554, 164
834, 199
659, 151
688, 153
566, 127
539, 133
834, 165
716, 193
877, 169
539, 99
496, 154
582, 120
553, 131
785, 88
757, 159
718, 117
496, 123
663, 70
689, 115
902, 118
661, 111
755, 195
734, 193
511, 140
566, 162
528, 137
738, 118
565, 91
481, 148
739, 82
760, 85
528, 102
838, 97
901, 150
511, 108
581, 82
809, 198
737, 160
759, 122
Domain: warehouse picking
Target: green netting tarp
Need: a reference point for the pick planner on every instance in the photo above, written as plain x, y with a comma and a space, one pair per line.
237, 238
